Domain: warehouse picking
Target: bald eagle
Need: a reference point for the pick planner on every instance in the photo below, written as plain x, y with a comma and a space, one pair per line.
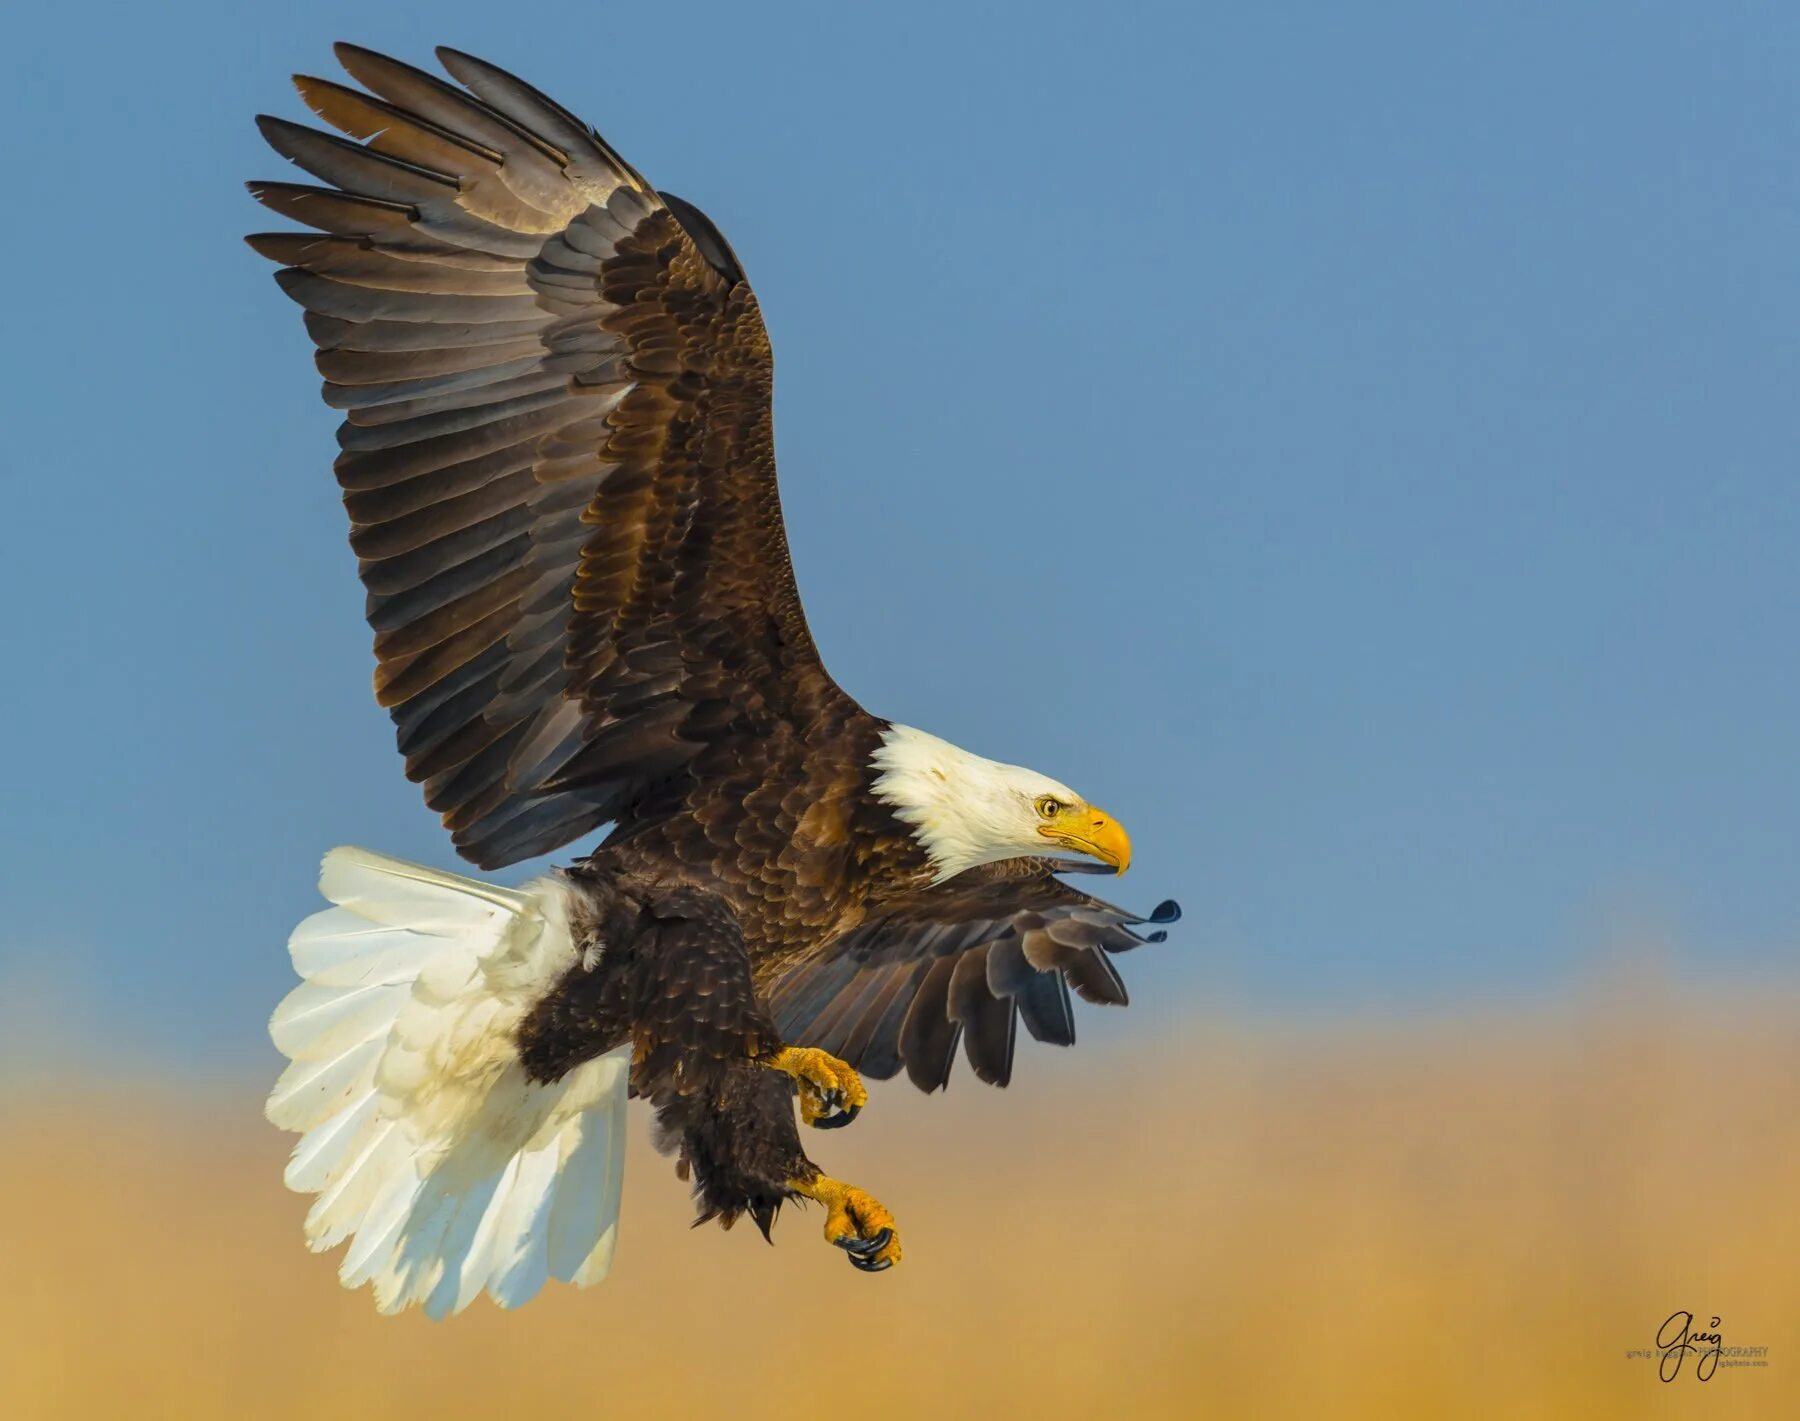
558, 462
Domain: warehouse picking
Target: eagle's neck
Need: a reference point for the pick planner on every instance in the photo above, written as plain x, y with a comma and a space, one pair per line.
958, 805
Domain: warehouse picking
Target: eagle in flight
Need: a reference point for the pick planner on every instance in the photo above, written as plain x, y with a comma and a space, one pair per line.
558, 461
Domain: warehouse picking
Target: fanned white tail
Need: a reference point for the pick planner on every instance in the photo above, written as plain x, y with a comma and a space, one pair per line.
428, 1147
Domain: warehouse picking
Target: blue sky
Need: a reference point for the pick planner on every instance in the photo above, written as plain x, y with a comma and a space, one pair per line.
1354, 444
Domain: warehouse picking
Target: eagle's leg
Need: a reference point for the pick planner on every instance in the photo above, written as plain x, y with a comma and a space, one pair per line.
711, 1062
831, 1092
739, 1144
854, 1220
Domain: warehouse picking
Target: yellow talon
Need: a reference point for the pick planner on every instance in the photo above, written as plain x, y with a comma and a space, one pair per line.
854, 1221
831, 1093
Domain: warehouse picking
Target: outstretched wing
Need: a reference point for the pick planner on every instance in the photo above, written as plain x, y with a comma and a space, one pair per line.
558, 457
966, 961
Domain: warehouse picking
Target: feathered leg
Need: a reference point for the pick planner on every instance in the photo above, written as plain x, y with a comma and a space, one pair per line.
708, 1057
742, 1150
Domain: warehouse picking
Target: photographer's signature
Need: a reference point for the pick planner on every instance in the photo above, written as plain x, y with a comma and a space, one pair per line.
1677, 1338
1685, 1334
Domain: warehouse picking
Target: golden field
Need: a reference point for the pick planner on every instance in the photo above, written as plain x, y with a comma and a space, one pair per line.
1460, 1216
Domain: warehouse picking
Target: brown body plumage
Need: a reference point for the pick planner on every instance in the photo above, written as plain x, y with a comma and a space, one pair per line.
558, 463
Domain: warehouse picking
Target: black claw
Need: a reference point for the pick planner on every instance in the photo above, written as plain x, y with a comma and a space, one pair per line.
875, 1244
866, 1245
862, 1251
838, 1121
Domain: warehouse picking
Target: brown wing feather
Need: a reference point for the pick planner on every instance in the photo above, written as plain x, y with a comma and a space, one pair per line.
964, 960
558, 458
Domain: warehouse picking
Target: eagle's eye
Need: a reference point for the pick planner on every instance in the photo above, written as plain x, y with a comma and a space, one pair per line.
1049, 806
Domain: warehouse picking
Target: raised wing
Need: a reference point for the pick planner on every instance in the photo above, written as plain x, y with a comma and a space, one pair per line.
558, 457
963, 961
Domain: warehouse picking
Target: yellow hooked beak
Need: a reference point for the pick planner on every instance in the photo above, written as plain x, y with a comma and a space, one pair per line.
1087, 830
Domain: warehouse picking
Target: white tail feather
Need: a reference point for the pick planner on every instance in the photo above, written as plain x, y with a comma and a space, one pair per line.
422, 1137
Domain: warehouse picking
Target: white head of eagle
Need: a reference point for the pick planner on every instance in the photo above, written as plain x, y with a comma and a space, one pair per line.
965, 810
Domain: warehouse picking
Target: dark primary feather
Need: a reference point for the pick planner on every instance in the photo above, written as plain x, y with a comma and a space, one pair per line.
557, 455
962, 961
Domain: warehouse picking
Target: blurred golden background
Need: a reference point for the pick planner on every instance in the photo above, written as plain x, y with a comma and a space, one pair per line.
1450, 1216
